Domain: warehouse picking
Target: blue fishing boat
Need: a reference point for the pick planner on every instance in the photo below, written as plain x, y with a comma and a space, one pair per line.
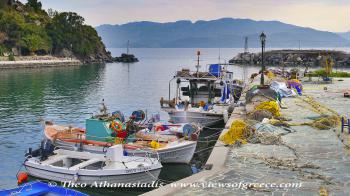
40, 189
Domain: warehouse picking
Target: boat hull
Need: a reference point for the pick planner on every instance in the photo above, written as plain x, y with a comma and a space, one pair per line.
202, 118
40, 188
179, 153
91, 178
176, 154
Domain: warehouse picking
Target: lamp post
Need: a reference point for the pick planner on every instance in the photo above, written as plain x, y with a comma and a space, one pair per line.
263, 40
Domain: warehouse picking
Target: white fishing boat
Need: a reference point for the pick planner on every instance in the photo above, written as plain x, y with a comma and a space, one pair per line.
172, 143
197, 115
202, 97
90, 168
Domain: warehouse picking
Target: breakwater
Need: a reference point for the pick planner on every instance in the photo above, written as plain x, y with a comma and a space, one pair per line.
310, 58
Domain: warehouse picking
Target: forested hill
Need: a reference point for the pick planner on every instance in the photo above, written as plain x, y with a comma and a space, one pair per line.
27, 29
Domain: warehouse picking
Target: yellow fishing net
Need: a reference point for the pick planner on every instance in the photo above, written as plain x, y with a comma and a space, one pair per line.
270, 75
270, 106
321, 123
237, 132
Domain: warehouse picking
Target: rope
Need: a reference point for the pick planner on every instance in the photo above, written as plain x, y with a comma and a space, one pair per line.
20, 167
213, 135
210, 148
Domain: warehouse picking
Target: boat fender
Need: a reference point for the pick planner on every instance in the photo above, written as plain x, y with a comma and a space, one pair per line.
116, 126
104, 149
125, 153
22, 177
150, 126
76, 177
194, 137
194, 169
159, 128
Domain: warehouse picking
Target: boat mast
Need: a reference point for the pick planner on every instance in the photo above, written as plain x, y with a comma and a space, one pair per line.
127, 47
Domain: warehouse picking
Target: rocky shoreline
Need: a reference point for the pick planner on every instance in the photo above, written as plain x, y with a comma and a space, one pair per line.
307, 58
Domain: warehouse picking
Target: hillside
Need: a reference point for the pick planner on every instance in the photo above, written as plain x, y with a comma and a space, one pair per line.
27, 29
225, 32
345, 35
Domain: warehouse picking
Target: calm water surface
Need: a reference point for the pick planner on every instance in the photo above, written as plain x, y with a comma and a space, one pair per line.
69, 95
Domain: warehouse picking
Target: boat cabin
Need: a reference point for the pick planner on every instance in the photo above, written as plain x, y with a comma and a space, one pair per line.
202, 87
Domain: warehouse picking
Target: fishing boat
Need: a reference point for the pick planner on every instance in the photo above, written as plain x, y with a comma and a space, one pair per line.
202, 97
90, 168
172, 143
40, 188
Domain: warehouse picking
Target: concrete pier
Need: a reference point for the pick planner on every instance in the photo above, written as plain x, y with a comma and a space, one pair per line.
305, 161
38, 63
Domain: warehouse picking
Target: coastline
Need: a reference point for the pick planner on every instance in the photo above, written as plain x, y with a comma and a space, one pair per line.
38, 63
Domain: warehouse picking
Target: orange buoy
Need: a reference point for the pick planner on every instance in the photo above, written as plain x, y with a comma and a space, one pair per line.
22, 177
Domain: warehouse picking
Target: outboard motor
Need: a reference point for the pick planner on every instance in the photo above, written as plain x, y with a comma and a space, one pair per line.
46, 149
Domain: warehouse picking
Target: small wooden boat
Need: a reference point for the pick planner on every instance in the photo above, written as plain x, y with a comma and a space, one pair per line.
40, 188
173, 143
90, 168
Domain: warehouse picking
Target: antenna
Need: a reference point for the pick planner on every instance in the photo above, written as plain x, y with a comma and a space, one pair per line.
219, 55
245, 44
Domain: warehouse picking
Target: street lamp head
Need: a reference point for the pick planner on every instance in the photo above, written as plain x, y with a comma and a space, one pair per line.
262, 37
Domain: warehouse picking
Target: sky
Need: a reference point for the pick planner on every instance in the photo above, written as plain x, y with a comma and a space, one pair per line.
328, 15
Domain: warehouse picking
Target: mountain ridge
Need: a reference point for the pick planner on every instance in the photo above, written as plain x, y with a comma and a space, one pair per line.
223, 32
345, 35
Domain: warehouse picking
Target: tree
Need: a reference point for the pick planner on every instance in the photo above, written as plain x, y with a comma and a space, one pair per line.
3, 4
68, 31
35, 4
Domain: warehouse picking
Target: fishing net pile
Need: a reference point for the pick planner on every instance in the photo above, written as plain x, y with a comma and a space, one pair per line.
238, 132
270, 106
241, 132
